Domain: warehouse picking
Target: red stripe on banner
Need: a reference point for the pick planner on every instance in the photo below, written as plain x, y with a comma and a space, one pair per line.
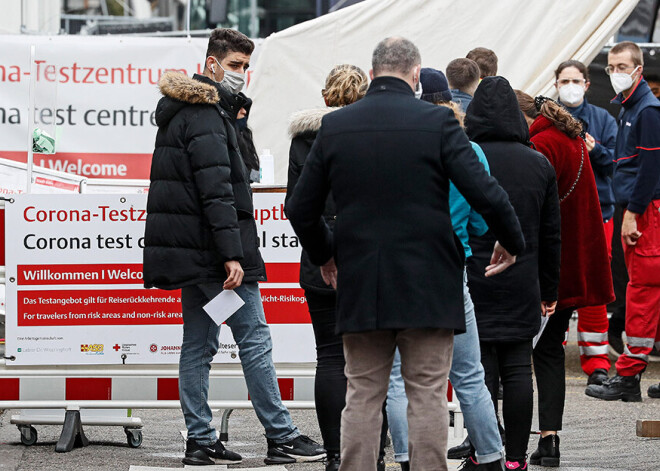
56, 184
283, 272
286, 389
285, 305
168, 389
90, 164
99, 307
2, 237
9, 389
88, 389
81, 274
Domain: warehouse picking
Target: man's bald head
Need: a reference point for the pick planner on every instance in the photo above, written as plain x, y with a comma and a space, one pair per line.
395, 56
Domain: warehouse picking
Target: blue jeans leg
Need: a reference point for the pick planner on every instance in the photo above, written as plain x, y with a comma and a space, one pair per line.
252, 335
397, 406
200, 344
467, 378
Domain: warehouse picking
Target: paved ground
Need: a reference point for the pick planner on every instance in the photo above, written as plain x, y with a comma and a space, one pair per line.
597, 436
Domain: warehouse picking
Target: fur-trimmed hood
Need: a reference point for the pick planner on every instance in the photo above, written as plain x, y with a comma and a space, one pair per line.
180, 87
307, 121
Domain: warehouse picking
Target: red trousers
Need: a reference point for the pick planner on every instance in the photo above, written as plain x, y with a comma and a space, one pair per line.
643, 294
593, 324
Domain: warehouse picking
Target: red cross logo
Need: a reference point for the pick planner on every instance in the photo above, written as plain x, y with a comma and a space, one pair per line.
116, 348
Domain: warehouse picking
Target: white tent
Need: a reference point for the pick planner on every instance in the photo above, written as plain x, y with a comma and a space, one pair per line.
530, 38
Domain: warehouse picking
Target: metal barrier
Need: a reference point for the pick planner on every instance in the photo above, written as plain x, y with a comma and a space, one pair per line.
77, 396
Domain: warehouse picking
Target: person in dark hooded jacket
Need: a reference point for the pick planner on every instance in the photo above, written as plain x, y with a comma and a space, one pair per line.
509, 307
201, 236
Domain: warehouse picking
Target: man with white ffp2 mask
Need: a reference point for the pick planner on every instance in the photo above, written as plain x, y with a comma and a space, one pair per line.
572, 82
637, 190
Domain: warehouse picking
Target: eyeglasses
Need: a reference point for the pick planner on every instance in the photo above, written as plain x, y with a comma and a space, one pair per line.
563, 82
619, 68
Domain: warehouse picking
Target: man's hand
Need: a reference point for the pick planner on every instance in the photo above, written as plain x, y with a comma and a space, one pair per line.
234, 275
590, 142
500, 260
629, 230
548, 308
329, 273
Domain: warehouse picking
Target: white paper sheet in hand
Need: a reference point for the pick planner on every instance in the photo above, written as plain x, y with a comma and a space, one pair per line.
544, 322
223, 306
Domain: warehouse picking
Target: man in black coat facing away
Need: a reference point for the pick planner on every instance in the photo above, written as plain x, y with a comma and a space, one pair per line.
399, 267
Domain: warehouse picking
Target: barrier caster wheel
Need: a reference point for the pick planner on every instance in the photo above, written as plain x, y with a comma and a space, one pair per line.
28, 435
133, 437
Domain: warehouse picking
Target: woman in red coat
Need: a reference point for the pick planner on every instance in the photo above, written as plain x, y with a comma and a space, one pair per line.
585, 277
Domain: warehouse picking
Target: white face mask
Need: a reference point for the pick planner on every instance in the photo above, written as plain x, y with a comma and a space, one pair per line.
418, 91
232, 81
622, 81
571, 94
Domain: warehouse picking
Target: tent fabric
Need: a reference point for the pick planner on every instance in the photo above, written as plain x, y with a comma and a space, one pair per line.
529, 38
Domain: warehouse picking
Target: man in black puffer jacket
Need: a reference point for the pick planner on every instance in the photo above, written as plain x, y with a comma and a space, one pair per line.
201, 237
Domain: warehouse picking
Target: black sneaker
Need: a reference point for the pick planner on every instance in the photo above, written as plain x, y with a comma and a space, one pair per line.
547, 453
654, 391
599, 376
299, 450
618, 387
203, 455
470, 464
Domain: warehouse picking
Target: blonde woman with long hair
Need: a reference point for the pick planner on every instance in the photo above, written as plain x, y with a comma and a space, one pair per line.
344, 85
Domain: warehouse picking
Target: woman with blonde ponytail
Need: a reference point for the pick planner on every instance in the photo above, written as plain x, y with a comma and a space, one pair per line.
344, 85
585, 276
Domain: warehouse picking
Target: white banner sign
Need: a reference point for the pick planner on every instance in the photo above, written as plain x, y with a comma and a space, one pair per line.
96, 95
74, 285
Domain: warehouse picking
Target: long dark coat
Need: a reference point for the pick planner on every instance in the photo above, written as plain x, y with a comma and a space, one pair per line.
508, 306
199, 210
387, 160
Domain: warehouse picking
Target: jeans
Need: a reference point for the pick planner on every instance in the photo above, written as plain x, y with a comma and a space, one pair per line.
512, 361
200, 344
467, 378
425, 355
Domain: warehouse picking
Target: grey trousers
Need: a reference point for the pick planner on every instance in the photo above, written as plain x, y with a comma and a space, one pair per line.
425, 361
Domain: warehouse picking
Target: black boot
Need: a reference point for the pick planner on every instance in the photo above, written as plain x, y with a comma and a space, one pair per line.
333, 462
547, 453
654, 391
618, 387
599, 376
462, 451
